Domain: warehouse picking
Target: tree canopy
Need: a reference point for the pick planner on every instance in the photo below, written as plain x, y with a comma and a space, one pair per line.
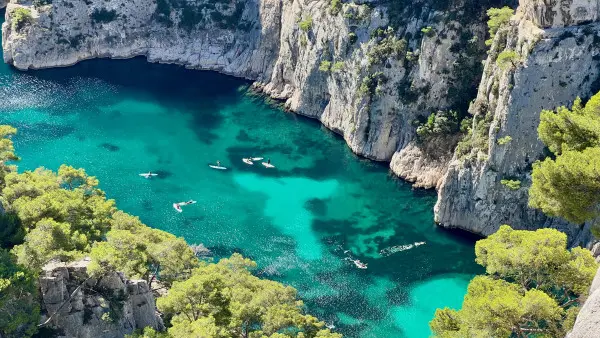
498, 17
225, 299
532, 288
19, 308
568, 185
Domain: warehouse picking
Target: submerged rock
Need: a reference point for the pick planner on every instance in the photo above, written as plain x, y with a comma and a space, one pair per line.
79, 306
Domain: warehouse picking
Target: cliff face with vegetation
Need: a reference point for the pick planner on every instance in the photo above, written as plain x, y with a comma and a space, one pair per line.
487, 180
338, 62
326, 59
75, 305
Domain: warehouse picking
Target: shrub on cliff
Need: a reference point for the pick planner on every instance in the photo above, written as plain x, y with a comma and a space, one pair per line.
21, 17
498, 17
567, 186
533, 287
439, 123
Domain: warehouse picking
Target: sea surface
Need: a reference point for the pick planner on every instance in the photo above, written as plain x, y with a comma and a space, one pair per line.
302, 222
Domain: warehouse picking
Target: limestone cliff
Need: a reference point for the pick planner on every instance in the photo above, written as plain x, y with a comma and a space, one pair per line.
588, 320
325, 61
76, 305
553, 67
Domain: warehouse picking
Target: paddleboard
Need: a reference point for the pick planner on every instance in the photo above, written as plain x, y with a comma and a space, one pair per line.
177, 207
247, 161
148, 175
217, 167
268, 165
257, 158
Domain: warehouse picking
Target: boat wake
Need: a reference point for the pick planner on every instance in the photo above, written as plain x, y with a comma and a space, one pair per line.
398, 248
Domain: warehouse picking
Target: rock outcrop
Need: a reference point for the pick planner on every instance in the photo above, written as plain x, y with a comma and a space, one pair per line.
75, 305
329, 62
553, 67
588, 320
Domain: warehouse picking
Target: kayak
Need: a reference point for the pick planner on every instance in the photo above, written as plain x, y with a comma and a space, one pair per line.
257, 158
177, 207
268, 165
217, 167
247, 161
148, 175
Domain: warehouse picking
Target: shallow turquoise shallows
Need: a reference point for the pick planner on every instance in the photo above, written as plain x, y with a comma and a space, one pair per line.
301, 221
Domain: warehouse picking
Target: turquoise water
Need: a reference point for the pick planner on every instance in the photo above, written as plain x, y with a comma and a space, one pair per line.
118, 118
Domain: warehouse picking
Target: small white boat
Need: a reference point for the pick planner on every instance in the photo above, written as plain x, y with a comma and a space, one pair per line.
268, 165
177, 206
359, 264
248, 161
148, 175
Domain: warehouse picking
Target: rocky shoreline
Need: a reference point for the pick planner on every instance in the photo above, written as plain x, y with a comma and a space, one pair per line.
360, 81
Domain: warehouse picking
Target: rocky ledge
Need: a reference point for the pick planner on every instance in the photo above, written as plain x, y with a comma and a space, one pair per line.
76, 305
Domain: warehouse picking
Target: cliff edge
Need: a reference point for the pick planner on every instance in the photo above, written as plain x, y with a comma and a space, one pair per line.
76, 305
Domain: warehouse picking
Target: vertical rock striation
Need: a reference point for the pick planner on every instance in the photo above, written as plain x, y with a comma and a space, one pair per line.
79, 306
554, 66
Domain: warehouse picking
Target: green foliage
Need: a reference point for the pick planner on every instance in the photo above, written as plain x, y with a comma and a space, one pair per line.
12, 231
325, 66
21, 17
306, 24
352, 38
142, 252
533, 286
225, 299
103, 15
439, 123
190, 18
428, 31
63, 213
511, 184
504, 140
498, 17
508, 59
7, 152
372, 84
338, 66
388, 46
575, 129
335, 7
477, 137
19, 308
567, 186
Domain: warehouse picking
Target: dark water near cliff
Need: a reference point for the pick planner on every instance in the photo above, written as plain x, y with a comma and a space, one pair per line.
120, 118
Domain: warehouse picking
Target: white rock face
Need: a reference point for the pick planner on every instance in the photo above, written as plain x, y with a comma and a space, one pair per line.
556, 66
587, 324
84, 314
262, 40
559, 13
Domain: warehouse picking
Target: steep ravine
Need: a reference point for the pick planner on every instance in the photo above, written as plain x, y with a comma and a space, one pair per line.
378, 88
